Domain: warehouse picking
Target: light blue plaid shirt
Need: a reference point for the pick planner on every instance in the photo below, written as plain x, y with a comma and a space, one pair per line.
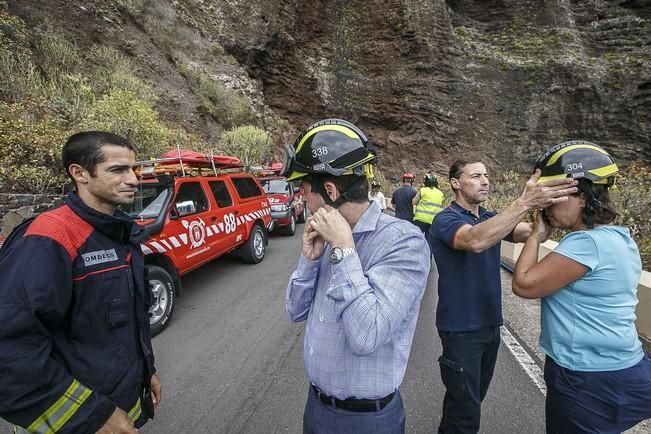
361, 313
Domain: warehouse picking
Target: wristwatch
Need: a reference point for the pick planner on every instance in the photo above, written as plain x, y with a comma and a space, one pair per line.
337, 254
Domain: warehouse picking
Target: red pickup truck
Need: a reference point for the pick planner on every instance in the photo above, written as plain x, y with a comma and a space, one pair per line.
194, 209
286, 200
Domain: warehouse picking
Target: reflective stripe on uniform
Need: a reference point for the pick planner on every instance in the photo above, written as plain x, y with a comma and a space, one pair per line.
53, 419
432, 213
434, 204
135, 411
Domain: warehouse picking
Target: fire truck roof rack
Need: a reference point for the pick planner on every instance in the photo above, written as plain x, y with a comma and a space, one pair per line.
187, 163
268, 171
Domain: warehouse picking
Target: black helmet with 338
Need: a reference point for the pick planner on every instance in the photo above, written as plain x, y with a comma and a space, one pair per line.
329, 147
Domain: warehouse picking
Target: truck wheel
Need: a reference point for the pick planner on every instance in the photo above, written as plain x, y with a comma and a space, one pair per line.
254, 248
163, 293
290, 229
303, 215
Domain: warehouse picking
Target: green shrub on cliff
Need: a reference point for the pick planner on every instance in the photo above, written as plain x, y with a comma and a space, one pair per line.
632, 197
50, 88
124, 114
30, 153
225, 105
250, 144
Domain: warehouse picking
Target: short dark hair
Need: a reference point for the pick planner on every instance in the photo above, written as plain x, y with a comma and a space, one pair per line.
85, 149
603, 214
343, 183
457, 167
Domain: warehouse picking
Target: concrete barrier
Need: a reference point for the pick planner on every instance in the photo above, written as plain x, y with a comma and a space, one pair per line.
511, 251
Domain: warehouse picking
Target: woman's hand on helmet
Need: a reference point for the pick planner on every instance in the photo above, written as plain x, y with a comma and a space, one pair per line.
332, 227
536, 196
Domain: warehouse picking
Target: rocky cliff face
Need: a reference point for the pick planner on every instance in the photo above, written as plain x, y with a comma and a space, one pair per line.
428, 80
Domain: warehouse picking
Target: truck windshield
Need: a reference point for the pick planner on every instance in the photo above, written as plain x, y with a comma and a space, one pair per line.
148, 202
275, 186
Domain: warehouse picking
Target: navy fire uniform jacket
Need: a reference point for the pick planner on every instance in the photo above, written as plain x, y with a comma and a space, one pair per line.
74, 325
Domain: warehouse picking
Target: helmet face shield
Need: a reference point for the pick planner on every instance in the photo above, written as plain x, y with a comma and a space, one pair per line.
292, 168
288, 161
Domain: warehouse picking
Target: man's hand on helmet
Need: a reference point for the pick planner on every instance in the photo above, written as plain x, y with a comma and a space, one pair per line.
332, 227
536, 196
313, 244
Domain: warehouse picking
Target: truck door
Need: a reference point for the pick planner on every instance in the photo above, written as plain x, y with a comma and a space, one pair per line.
227, 233
251, 197
191, 211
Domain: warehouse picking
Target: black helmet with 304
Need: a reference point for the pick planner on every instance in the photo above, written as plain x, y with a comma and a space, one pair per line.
577, 159
332, 147
586, 162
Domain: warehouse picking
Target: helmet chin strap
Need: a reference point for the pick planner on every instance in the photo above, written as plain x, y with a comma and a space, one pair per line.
592, 204
317, 186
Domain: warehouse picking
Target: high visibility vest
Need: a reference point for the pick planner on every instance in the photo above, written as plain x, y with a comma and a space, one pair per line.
431, 202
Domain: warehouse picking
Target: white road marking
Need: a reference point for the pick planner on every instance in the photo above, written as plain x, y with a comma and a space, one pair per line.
525, 360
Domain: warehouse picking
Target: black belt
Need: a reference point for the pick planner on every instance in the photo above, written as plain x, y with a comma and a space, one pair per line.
351, 404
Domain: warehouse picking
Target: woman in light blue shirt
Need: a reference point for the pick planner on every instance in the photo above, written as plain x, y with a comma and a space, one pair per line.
598, 377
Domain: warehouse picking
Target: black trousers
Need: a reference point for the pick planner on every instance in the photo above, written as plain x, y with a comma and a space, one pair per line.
467, 365
424, 227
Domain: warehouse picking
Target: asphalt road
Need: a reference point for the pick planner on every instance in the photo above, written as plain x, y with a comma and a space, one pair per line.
231, 361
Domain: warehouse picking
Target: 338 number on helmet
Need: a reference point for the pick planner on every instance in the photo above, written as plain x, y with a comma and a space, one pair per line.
319, 152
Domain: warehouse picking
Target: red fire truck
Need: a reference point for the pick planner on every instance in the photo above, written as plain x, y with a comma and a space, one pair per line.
195, 208
286, 200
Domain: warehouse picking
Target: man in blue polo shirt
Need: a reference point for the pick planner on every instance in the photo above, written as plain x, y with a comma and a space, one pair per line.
465, 240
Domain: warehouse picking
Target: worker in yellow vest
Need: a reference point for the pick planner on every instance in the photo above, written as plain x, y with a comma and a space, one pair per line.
428, 202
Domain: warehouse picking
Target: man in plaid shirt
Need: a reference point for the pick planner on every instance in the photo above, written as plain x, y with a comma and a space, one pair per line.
359, 283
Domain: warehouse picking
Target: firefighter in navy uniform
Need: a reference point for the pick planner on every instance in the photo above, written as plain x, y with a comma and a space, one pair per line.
402, 197
75, 348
